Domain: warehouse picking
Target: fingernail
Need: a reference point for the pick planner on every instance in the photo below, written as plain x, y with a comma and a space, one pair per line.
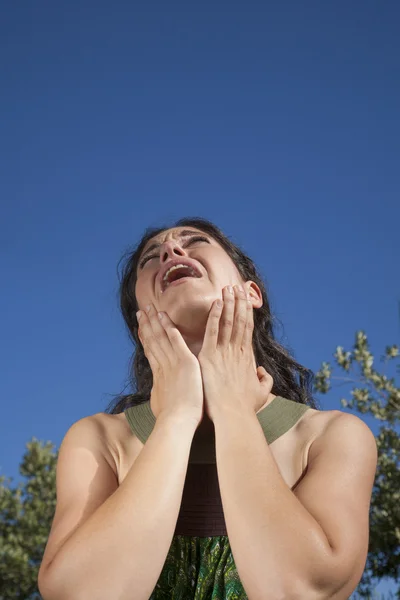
230, 289
148, 307
138, 315
219, 303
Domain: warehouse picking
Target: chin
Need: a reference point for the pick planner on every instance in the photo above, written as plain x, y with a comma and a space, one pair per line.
190, 314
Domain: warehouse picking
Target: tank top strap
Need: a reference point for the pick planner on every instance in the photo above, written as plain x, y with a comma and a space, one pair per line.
276, 418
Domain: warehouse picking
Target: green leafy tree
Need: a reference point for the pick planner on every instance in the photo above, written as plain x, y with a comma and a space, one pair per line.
374, 392
26, 514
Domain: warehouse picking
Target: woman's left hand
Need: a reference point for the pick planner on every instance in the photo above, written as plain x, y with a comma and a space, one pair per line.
231, 380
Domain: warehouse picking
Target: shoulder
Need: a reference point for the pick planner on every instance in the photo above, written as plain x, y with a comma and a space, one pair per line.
314, 423
322, 428
106, 420
100, 424
110, 431
113, 428
345, 431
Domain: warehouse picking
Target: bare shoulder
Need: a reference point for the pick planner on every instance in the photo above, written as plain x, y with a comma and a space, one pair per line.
314, 423
335, 427
117, 439
110, 424
312, 427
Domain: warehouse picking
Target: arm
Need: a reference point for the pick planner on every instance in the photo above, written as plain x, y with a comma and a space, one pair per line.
307, 544
117, 550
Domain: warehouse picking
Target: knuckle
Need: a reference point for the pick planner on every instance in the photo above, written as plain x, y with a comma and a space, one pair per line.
227, 322
158, 335
144, 329
157, 370
173, 334
152, 321
150, 342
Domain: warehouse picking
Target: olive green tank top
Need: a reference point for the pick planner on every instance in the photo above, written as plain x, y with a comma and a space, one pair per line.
200, 564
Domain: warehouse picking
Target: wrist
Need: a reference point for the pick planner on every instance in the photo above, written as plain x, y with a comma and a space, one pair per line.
180, 418
231, 411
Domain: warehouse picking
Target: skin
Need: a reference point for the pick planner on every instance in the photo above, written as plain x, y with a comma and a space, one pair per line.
188, 304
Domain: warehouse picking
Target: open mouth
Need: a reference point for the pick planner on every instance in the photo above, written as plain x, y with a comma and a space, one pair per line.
178, 273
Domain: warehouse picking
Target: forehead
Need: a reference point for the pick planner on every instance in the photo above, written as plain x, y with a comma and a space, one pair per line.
173, 233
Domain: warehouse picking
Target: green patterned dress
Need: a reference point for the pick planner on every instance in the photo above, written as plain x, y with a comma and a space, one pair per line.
199, 563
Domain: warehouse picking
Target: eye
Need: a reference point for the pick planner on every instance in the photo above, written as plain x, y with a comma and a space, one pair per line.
195, 238
144, 261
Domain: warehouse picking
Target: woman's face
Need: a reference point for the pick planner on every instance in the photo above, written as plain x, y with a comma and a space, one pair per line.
187, 303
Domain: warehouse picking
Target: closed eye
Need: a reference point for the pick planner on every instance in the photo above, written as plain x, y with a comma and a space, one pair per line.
195, 238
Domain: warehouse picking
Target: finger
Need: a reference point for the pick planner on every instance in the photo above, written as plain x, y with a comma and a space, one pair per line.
240, 318
177, 343
227, 316
249, 329
211, 334
155, 340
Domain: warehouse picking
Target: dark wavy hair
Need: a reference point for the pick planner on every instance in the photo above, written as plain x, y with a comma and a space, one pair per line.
291, 380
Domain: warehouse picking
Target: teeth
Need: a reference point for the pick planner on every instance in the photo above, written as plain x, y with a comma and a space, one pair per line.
174, 267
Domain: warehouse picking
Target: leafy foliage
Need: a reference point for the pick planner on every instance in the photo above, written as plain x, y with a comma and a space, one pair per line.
375, 393
26, 513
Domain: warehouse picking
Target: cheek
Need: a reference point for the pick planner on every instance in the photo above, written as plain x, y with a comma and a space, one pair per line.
225, 273
144, 289
141, 292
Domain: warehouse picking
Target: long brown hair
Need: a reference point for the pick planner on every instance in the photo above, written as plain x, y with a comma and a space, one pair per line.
291, 380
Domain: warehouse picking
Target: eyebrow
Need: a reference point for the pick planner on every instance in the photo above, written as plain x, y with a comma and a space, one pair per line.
183, 233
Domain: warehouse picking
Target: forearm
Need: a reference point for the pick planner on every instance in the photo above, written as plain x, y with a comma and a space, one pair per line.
119, 552
275, 541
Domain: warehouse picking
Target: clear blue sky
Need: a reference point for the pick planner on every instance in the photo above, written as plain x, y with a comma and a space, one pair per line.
279, 122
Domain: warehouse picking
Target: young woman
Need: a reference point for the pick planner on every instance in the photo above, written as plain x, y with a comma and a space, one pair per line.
219, 478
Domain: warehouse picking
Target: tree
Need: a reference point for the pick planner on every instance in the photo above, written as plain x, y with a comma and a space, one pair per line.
375, 393
26, 514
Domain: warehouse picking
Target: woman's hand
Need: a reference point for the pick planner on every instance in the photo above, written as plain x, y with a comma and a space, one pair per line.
177, 385
231, 380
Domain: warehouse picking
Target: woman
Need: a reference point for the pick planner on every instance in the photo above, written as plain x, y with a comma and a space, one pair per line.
219, 478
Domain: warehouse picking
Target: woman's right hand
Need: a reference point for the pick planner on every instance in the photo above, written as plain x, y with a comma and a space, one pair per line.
177, 382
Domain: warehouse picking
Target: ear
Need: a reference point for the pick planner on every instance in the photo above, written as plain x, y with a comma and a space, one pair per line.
265, 378
261, 373
255, 294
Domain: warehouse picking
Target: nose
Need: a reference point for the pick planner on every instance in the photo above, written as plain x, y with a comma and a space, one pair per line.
170, 249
